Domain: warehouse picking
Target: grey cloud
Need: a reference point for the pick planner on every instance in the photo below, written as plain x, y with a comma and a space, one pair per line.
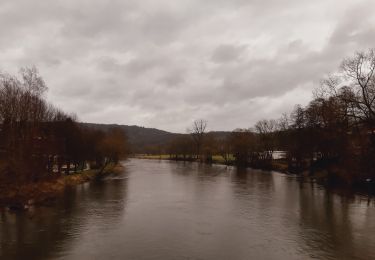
173, 79
161, 27
138, 66
165, 63
227, 53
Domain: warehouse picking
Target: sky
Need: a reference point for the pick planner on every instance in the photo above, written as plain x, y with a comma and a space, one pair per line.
166, 63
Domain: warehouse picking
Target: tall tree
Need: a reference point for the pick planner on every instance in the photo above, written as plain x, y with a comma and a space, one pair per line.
197, 133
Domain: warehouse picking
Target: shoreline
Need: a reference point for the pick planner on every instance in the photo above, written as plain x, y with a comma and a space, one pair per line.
276, 165
320, 177
21, 197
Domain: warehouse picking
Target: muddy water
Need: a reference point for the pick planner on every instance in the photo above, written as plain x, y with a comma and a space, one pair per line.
175, 210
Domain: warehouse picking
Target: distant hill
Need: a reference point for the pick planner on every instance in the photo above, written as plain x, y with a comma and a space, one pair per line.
146, 140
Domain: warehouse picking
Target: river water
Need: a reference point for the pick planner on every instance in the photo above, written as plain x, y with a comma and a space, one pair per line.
176, 210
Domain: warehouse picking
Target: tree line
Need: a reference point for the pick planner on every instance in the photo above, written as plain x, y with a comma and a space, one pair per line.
38, 140
334, 133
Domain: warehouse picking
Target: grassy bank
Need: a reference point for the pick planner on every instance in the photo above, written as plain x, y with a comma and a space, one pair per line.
43, 192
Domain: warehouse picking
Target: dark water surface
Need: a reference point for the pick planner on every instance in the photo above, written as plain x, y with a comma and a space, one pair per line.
169, 210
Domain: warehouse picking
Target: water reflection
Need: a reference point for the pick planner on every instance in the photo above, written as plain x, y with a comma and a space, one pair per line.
46, 232
177, 210
333, 226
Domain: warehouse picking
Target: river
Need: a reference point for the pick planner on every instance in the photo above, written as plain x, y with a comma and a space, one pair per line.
176, 210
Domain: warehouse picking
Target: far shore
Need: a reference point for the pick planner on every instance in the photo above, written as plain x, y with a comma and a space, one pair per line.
277, 165
322, 177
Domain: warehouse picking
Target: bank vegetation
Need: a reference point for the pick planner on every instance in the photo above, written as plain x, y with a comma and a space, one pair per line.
331, 139
40, 144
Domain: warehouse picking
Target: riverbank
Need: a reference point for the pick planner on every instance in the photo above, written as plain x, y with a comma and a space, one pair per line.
277, 165
218, 159
332, 178
20, 197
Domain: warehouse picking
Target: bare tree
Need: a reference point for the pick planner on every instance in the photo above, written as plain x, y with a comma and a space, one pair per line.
354, 84
359, 70
266, 130
243, 146
283, 122
197, 133
225, 148
32, 81
35, 136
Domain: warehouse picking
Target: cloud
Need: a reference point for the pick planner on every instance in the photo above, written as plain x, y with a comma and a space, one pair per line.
165, 63
227, 53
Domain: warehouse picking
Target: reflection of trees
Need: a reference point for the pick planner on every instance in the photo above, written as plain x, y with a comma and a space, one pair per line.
325, 221
211, 180
47, 231
251, 179
240, 175
253, 192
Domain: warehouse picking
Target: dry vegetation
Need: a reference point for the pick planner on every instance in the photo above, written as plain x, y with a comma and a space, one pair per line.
40, 144
331, 139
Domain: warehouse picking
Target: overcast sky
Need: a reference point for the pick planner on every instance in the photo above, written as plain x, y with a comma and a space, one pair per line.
164, 63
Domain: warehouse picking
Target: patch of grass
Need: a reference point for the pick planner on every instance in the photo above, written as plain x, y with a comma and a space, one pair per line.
220, 159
